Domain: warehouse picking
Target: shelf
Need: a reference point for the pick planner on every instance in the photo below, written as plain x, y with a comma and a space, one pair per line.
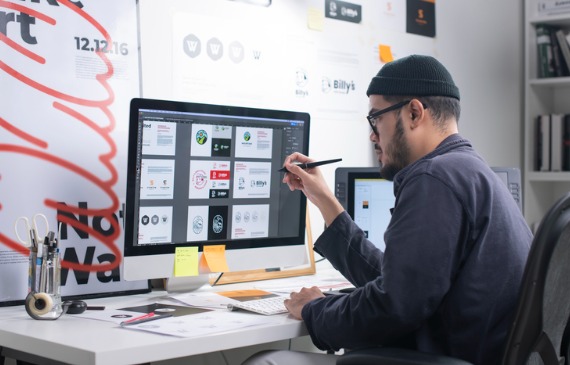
558, 19
548, 176
553, 82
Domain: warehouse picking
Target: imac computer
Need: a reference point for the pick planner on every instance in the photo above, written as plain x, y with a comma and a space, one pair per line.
202, 174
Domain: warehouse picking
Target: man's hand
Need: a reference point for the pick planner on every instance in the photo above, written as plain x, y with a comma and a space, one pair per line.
298, 300
312, 183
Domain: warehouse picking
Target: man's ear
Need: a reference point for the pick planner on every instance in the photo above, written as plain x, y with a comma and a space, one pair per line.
417, 111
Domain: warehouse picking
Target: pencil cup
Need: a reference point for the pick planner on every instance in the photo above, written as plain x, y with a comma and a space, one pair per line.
44, 305
44, 299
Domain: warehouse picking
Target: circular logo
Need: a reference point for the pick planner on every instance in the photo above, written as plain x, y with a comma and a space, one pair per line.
201, 137
200, 179
145, 220
197, 225
238, 217
246, 217
236, 52
215, 49
218, 224
192, 46
301, 77
154, 220
326, 85
247, 136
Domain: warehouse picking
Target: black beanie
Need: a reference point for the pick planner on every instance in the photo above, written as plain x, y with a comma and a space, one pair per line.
413, 75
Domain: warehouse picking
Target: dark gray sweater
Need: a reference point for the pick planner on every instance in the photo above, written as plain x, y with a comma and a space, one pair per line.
449, 278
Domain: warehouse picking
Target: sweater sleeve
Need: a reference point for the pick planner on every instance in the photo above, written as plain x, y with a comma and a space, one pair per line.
400, 288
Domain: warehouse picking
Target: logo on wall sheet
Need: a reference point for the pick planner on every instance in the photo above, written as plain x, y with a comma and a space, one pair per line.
301, 81
192, 45
342, 10
236, 52
215, 49
420, 17
338, 86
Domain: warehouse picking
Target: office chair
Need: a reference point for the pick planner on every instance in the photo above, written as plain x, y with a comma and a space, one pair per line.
540, 328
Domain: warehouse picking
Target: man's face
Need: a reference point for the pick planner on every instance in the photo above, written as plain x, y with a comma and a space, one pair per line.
390, 142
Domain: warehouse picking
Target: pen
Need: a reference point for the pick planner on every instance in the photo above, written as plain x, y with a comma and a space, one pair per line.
132, 322
147, 315
309, 165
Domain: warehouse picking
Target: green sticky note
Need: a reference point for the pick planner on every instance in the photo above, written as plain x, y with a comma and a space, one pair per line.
186, 261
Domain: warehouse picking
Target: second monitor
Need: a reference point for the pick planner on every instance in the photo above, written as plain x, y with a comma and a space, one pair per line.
367, 198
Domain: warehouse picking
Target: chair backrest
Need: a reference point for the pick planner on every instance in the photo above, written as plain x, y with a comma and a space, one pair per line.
543, 308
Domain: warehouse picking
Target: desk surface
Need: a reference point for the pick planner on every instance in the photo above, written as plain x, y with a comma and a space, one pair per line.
92, 342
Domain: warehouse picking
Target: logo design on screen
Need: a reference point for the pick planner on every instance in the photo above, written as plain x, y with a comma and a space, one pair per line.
246, 136
197, 224
201, 137
200, 179
218, 224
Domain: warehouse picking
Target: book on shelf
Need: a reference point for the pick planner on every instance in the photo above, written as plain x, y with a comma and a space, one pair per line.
544, 51
552, 142
561, 62
566, 143
551, 7
542, 156
556, 133
562, 42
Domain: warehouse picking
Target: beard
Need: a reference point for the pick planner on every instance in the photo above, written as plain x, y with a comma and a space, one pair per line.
397, 151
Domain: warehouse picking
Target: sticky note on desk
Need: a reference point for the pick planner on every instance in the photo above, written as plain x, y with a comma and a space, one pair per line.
186, 261
214, 258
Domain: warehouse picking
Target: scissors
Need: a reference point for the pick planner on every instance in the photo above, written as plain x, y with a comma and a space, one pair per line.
30, 239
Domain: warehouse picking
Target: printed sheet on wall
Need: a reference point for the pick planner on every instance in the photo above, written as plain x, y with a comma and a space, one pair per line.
68, 71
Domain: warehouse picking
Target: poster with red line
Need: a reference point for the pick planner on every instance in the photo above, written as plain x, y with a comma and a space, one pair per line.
68, 70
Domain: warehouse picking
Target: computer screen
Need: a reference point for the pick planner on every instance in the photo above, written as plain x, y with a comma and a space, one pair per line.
367, 198
203, 174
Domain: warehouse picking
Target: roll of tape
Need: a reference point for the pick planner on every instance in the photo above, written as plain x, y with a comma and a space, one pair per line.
38, 304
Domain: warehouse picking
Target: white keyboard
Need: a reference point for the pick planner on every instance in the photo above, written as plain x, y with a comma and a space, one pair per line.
267, 306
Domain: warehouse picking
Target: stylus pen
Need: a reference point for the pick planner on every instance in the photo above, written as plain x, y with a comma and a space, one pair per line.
144, 320
305, 166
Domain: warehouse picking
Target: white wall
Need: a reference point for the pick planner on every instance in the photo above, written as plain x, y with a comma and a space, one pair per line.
480, 42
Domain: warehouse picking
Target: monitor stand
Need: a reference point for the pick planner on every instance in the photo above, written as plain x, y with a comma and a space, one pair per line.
185, 283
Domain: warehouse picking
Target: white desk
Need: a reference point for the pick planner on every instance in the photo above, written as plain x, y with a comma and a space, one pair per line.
90, 342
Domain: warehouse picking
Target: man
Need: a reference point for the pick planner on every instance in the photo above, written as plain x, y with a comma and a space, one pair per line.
456, 245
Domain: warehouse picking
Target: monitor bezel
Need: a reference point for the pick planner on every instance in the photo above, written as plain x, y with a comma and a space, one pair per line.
131, 249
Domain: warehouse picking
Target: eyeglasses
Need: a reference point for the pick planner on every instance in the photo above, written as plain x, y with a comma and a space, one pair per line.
372, 118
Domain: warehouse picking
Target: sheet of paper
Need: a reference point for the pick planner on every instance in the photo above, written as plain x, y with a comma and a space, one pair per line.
203, 300
203, 324
288, 285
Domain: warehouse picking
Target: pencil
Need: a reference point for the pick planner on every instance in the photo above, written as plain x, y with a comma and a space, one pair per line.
309, 165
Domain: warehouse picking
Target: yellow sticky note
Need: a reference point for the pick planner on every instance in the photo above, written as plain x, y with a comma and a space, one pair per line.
186, 261
215, 258
385, 53
315, 19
